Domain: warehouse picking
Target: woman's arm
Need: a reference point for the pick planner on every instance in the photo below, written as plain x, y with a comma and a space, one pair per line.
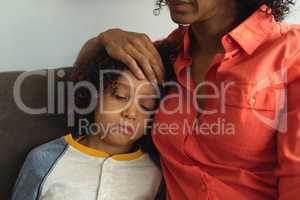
289, 141
133, 49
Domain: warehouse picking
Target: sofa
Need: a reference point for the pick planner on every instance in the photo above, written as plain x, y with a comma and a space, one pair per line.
20, 132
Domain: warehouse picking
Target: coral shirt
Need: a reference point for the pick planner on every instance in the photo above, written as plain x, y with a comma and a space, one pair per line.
248, 147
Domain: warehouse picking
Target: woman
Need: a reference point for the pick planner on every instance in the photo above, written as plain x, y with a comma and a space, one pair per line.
242, 66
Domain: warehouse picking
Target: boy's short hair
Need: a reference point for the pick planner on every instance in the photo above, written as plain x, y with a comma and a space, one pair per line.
90, 72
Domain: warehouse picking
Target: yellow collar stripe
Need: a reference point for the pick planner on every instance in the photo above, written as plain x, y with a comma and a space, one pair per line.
84, 149
97, 153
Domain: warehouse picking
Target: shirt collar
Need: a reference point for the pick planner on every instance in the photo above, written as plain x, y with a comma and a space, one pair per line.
249, 35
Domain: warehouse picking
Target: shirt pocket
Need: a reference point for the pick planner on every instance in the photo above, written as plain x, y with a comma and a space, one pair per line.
250, 96
250, 114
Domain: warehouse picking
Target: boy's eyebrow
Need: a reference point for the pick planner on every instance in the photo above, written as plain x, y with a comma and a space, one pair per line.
125, 84
122, 83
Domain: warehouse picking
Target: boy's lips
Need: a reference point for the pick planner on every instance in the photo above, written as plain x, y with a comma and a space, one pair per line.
126, 130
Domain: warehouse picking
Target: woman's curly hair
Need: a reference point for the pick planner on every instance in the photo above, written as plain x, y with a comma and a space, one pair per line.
280, 8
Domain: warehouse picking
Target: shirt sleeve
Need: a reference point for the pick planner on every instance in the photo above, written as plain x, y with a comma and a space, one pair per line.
28, 182
36, 167
288, 143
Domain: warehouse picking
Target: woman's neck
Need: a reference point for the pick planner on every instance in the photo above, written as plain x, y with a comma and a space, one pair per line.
96, 142
207, 34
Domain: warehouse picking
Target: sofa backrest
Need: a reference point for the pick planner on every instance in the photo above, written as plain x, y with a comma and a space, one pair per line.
19, 131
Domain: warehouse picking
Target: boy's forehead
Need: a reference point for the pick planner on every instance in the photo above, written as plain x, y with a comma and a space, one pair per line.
128, 80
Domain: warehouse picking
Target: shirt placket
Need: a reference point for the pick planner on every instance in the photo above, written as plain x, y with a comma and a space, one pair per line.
103, 192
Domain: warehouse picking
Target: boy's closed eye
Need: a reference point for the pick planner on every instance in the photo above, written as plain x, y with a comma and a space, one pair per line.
120, 92
145, 104
145, 100
120, 96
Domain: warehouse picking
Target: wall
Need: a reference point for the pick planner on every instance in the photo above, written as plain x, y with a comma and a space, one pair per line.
49, 33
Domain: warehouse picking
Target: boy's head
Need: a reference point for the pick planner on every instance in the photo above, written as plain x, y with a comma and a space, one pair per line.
124, 103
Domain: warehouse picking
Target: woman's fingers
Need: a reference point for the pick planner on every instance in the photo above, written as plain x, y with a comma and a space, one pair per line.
155, 60
142, 58
152, 63
136, 50
144, 45
122, 56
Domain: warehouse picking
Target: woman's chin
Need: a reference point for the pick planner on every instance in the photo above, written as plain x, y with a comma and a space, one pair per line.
181, 19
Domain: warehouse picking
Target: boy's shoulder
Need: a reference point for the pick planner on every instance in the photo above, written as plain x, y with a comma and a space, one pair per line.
36, 167
47, 153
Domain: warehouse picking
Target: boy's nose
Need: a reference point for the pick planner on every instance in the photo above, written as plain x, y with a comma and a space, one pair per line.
130, 112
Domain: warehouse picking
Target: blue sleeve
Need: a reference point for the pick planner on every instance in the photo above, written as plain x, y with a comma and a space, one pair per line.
36, 167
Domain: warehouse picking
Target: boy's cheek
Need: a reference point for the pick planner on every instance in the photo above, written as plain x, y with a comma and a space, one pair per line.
141, 132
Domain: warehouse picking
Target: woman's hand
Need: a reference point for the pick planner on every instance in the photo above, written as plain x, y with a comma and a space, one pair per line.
136, 50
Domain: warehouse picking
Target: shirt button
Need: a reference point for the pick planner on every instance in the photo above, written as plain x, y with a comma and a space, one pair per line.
252, 101
264, 9
269, 11
203, 187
